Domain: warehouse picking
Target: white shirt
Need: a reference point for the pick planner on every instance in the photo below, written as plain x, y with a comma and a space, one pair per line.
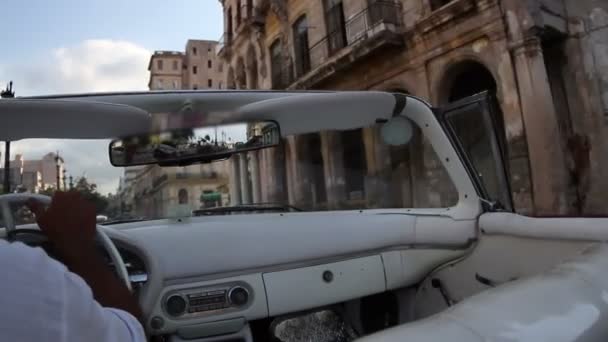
40, 300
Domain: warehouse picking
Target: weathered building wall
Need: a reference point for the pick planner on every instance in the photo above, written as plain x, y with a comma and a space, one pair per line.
165, 70
529, 53
586, 84
200, 54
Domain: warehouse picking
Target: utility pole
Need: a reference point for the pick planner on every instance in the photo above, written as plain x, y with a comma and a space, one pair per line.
8, 93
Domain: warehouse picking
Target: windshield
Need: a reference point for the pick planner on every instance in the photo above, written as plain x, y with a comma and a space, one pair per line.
329, 170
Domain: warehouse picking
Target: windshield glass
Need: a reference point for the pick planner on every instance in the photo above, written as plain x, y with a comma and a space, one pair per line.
329, 170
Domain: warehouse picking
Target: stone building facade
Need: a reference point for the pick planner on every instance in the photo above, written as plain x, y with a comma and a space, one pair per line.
546, 62
198, 67
165, 69
152, 191
202, 68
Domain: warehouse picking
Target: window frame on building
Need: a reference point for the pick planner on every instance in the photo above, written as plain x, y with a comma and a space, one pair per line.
159, 64
301, 45
238, 13
276, 61
182, 196
195, 69
175, 65
209, 64
210, 83
335, 25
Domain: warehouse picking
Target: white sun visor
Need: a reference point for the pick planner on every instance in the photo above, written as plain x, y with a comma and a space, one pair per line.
69, 119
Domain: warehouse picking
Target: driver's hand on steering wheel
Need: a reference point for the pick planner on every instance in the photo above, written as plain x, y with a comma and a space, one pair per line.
69, 222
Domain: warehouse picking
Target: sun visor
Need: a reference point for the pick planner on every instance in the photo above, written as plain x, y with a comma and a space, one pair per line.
69, 119
314, 112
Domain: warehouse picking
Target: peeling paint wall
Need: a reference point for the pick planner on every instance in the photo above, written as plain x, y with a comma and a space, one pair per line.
508, 37
586, 74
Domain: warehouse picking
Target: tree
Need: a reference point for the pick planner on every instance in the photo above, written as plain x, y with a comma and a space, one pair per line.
89, 192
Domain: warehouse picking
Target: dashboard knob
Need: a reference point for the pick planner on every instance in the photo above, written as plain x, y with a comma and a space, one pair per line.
175, 305
238, 296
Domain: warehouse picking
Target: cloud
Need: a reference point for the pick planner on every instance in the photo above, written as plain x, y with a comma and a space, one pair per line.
90, 66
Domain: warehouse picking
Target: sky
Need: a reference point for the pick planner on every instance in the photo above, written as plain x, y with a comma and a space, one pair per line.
66, 46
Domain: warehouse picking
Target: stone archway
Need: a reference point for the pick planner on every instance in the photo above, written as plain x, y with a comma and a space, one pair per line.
464, 79
460, 81
241, 75
252, 68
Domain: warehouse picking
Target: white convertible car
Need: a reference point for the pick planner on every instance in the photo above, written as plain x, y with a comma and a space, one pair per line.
465, 269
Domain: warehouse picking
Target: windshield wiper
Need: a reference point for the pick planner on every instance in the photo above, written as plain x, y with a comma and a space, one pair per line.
261, 207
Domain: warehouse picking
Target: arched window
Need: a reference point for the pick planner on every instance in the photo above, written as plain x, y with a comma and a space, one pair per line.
182, 196
300, 40
276, 67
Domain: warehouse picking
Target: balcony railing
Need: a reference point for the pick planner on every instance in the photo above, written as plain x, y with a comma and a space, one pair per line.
250, 14
224, 41
380, 15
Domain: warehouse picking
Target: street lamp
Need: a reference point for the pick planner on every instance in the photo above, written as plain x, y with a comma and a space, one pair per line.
8, 93
57, 167
65, 184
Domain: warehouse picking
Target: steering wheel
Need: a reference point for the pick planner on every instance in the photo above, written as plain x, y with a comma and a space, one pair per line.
12, 200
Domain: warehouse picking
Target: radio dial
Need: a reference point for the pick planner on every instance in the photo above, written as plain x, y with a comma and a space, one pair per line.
176, 305
238, 296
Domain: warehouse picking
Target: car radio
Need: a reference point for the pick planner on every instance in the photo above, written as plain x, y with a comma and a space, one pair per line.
194, 301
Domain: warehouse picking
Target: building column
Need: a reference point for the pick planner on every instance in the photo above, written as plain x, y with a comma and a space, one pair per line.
235, 181
273, 175
333, 167
547, 163
244, 176
254, 166
378, 177
302, 181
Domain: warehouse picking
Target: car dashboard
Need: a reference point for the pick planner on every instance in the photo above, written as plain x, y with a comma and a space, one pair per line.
210, 276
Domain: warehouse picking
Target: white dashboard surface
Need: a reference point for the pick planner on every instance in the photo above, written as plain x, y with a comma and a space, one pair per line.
220, 245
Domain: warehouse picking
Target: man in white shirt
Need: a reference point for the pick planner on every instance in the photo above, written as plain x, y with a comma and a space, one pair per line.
42, 300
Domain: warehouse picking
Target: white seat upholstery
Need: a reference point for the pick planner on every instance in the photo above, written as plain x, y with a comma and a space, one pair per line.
568, 303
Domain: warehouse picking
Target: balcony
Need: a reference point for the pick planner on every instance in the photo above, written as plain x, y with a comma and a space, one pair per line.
251, 16
374, 29
222, 49
444, 14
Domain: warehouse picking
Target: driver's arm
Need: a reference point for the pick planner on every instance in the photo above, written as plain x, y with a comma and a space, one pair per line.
69, 223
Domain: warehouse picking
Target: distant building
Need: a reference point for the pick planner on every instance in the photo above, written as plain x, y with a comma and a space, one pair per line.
157, 192
35, 175
202, 68
196, 68
152, 191
165, 70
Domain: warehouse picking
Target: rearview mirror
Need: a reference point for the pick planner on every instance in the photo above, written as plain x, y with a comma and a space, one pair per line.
198, 145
